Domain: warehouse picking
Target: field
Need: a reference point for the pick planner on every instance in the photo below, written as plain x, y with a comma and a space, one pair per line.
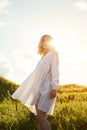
70, 110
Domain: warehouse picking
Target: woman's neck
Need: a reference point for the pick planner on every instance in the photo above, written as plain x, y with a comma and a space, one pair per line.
45, 52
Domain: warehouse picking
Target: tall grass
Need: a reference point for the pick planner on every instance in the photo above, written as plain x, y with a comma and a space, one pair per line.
70, 111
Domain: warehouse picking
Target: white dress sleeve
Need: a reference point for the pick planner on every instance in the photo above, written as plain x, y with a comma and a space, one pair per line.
54, 70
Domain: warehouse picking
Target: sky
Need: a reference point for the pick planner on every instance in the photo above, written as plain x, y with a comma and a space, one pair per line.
23, 22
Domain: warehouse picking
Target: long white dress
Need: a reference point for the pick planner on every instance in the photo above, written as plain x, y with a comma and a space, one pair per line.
36, 88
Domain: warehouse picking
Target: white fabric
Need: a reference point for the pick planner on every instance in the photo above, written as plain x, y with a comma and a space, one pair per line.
36, 88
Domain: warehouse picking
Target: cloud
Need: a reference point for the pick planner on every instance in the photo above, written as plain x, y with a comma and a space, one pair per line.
17, 65
9, 69
11, 22
4, 4
2, 24
25, 60
81, 5
23, 54
23, 63
4, 65
7, 23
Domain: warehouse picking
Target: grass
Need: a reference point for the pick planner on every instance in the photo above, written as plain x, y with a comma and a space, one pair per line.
70, 111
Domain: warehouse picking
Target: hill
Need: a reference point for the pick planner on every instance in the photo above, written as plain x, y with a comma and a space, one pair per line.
70, 110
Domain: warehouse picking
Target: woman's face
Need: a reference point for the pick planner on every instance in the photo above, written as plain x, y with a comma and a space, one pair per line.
44, 44
45, 40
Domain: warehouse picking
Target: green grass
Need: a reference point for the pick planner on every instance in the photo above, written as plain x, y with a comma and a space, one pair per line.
70, 111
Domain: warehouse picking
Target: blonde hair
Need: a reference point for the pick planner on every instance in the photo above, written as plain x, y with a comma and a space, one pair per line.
47, 44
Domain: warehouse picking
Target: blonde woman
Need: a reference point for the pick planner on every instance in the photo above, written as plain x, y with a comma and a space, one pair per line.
38, 91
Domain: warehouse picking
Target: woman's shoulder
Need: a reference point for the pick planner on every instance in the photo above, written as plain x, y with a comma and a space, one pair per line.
53, 52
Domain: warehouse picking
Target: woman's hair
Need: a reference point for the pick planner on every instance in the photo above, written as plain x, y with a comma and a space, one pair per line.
45, 44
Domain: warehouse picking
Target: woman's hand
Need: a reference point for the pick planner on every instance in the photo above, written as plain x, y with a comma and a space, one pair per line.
52, 93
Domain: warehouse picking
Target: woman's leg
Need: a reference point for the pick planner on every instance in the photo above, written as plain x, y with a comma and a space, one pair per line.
41, 119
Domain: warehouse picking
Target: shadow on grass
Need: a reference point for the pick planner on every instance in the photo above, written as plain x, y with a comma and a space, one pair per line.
53, 122
6, 88
29, 123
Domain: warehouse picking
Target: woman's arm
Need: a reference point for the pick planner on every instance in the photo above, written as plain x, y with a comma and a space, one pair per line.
54, 73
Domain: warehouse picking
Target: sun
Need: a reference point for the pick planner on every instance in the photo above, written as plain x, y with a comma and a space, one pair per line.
64, 42
57, 41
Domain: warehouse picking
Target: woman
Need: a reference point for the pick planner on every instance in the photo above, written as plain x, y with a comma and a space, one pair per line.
38, 91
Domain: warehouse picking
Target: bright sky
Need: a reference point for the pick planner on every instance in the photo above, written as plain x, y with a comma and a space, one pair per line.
23, 22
